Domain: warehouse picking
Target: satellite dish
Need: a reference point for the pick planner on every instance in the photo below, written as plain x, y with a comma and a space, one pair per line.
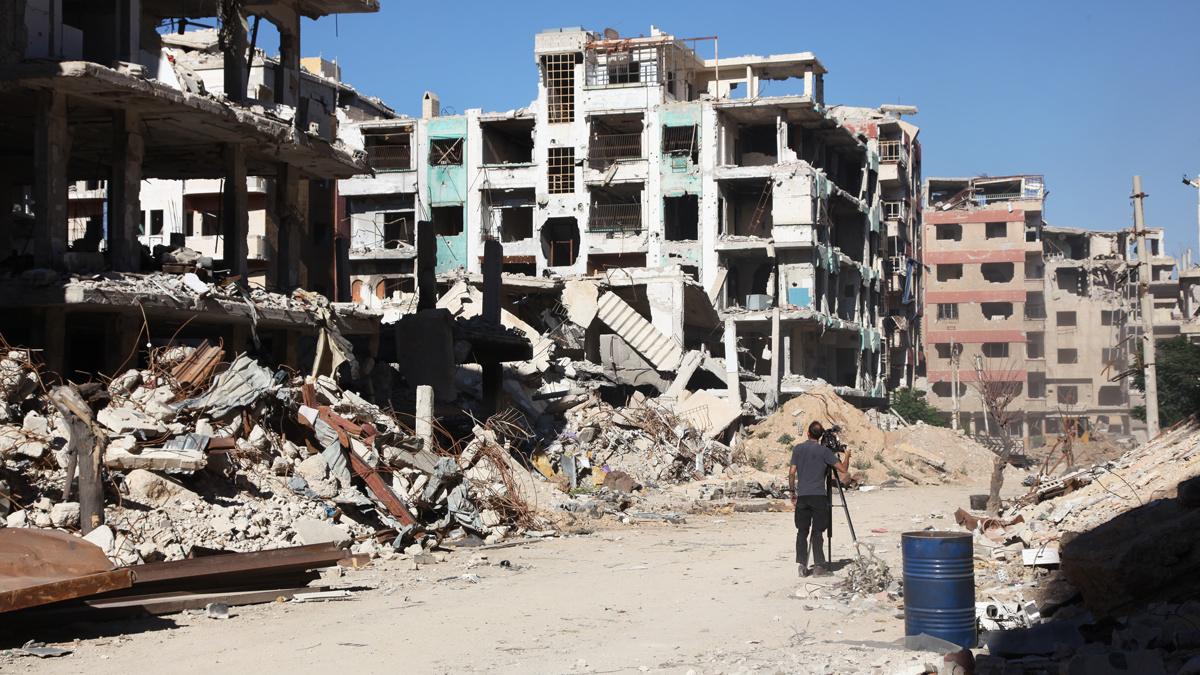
611, 34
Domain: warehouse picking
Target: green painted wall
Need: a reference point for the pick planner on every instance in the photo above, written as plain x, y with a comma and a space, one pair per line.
679, 175
448, 187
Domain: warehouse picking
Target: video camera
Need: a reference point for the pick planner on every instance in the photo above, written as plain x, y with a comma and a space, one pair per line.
829, 438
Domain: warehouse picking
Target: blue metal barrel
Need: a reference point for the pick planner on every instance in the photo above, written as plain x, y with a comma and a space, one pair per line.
939, 586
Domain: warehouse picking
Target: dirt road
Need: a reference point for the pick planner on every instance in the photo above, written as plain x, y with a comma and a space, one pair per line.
717, 594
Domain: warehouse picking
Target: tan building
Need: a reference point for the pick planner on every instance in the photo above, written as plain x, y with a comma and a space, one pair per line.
1052, 309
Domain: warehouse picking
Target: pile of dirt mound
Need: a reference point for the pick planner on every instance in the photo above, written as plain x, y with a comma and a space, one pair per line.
915, 454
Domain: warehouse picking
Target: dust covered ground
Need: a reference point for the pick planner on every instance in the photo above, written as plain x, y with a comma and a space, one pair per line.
717, 594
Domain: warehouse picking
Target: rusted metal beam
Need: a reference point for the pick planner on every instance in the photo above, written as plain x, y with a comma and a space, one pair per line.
382, 491
64, 589
238, 567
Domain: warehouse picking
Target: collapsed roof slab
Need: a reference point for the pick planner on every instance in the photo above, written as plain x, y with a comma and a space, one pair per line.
183, 132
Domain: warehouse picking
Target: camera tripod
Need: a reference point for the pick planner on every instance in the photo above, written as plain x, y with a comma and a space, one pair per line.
835, 481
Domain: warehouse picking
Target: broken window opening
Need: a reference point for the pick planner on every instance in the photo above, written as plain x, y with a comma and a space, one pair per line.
997, 273
560, 241
749, 280
993, 311
602, 262
1068, 394
949, 272
617, 209
399, 227
994, 350
1037, 384
560, 170
447, 220
1072, 280
389, 150
1035, 345
946, 389
894, 209
1065, 319
748, 208
681, 218
1068, 356
507, 141
996, 230
1112, 317
624, 65
1111, 395
528, 269
682, 142
947, 312
516, 224
943, 350
446, 151
756, 145
1035, 306
1034, 269
949, 232
558, 73
613, 138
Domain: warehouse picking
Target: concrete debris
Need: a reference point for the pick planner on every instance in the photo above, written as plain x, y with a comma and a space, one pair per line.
1110, 553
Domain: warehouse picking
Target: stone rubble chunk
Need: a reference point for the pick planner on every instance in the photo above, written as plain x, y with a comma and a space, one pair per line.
65, 514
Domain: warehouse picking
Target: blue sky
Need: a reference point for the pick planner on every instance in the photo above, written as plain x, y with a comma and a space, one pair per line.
1087, 93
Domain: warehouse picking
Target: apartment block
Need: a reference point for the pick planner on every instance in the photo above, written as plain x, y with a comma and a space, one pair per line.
639, 152
1054, 309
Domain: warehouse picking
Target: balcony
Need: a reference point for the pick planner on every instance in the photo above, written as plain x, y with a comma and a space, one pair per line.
606, 149
895, 210
390, 157
615, 218
893, 152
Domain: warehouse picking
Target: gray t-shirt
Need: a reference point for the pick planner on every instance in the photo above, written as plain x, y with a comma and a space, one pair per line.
811, 459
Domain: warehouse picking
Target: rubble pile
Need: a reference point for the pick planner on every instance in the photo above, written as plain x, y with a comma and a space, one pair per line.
206, 455
884, 447
1109, 557
644, 440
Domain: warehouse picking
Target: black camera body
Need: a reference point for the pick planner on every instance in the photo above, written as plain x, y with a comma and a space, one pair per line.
829, 438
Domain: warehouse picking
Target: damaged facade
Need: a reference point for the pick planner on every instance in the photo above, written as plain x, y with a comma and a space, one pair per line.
1052, 309
639, 153
101, 112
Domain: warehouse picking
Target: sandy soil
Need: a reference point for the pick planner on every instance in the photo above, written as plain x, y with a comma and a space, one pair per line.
717, 594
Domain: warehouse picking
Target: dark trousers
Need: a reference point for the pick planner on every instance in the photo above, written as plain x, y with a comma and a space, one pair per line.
813, 517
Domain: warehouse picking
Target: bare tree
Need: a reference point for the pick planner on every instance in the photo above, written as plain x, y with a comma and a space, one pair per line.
998, 387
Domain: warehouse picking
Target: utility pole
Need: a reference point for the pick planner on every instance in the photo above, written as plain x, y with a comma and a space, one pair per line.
1147, 307
1195, 182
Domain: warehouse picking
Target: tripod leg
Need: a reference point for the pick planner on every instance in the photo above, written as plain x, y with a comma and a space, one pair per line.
846, 508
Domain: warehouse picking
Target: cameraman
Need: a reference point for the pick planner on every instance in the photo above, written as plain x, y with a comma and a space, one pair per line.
807, 476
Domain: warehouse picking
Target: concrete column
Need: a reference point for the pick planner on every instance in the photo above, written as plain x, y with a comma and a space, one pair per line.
776, 359
236, 71
426, 262
731, 362
124, 192
51, 150
234, 211
54, 340
287, 230
424, 417
287, 81
493, 371
125, 341
786, 363
493, 253
128, 17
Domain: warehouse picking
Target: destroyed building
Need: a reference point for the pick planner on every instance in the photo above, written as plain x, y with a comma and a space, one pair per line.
97, 109
1052, 309
640, 154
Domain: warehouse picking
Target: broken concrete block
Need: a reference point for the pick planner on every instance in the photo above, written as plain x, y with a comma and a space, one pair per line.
65, 514
31, 449
313, 531
121, 420
35, 424
155, 459
154, 490
313, 469
17, 519
126, 383
40, 519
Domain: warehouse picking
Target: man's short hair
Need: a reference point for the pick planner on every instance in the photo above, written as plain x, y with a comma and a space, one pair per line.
815, 429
